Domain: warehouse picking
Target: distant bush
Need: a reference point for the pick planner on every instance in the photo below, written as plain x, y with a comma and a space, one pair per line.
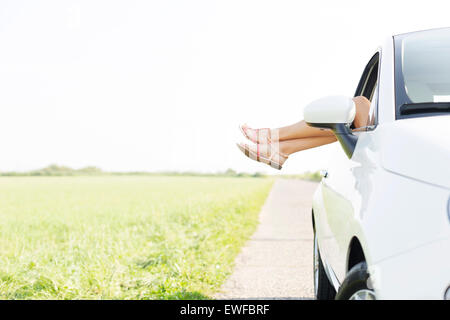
90, 170
55, 170
230, 172
258, 175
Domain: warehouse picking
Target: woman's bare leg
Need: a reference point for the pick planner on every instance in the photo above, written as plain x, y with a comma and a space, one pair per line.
362, 111
289, 147
301, 130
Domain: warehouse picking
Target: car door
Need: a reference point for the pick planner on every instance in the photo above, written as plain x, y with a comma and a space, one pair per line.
341, 199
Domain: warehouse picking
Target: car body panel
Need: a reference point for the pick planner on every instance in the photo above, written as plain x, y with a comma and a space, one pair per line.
425, 142
424, 273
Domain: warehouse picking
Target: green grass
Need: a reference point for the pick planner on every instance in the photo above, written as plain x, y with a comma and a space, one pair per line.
123, 237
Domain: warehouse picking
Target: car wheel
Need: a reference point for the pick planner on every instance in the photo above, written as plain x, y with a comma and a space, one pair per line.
355, 285
323, 289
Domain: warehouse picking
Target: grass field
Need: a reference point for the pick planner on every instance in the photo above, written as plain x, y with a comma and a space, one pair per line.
123, 237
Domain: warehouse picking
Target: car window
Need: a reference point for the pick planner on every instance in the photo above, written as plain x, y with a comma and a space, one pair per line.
368, 87
422, 73
426, 66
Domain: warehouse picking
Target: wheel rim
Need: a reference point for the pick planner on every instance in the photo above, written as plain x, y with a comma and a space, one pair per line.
316, 265
364, 294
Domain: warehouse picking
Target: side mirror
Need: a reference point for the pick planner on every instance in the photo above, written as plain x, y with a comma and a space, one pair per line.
335, 113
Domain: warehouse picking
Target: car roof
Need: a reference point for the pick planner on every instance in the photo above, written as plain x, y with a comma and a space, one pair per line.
417, 31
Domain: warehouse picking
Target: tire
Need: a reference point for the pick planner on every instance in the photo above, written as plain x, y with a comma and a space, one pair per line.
323, 289
355, 285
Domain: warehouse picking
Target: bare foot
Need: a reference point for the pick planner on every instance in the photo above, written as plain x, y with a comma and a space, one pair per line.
265, 153
261, 135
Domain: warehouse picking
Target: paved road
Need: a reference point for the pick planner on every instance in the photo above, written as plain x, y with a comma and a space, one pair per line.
276, 263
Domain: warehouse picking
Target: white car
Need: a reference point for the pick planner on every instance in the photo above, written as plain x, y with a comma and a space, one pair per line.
381, 214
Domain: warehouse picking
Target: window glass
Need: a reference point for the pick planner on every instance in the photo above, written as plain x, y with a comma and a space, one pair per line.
373, 112
426, 66
368, 87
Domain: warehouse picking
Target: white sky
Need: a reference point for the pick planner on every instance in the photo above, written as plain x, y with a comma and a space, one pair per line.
163, 85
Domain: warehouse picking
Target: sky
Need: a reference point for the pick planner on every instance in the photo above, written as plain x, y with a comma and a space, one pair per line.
163, 85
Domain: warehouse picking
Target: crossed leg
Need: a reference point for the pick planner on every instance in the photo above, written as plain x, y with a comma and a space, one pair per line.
291, 146
301, 130
299, 136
